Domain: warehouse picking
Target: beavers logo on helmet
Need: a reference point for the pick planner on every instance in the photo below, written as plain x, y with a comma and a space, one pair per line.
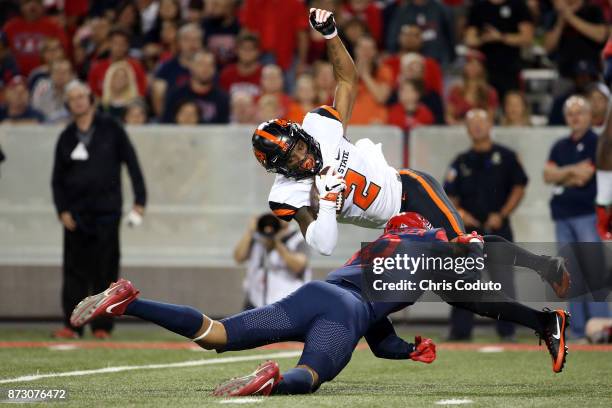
261, 157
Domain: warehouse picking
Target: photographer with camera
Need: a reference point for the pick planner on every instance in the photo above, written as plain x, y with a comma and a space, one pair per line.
277, 260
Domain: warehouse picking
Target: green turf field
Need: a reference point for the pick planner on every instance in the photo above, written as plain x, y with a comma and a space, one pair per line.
502, 379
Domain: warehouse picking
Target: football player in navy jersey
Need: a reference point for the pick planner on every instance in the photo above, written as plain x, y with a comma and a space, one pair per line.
329, 317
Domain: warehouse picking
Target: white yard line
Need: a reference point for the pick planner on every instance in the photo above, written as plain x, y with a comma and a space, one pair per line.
189, 363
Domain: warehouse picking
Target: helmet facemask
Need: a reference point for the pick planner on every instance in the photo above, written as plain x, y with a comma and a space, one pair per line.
279, 164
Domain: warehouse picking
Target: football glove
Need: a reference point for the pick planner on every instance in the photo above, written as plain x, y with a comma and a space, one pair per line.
424, 350
330, 185
604, 222
323, 21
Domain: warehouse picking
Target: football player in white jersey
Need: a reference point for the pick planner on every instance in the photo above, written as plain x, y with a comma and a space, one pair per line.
354, 184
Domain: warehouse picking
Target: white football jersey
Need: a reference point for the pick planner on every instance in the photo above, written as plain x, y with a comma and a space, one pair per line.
373, 188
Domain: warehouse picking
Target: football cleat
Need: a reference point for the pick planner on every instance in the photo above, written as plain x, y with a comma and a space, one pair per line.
65, 333
112, 302
557, 276
260, 382
553, 335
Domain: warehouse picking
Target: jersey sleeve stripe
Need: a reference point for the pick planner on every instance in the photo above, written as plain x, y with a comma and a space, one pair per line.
436, 199
328, 112
271, 138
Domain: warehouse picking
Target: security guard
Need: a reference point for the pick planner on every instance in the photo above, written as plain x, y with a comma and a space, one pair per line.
486, 183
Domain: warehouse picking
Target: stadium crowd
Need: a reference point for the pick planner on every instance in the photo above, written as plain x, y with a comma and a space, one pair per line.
420, 62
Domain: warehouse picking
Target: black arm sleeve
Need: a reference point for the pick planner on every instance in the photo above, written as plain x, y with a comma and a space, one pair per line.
385, 343
128, 156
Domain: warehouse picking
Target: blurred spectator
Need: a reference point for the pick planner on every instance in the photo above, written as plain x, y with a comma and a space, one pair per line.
119, 89
2, 156
187, 113
585, 74
272, 84
570, 169
351, 31
304, 98
410, 112
212, 102
221, 29
412, 67
148, 10
136, 113
91, 43
127, 18
26, 33
195, 12
169, 11
277, 260
436, 24
269, 107
245, 74
48, 93
500, 28
8, 64
51, 50
119, 46
175, 72
411, 41
86, 186
486, 184
243, 108
375, 85
598, 96
472, 92
17, 108
325, 82
367, 11
281, 42
577, 31
516, 111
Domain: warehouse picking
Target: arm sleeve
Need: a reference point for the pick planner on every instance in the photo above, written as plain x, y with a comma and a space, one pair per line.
385, 343
128, 156
57, 184
322, 234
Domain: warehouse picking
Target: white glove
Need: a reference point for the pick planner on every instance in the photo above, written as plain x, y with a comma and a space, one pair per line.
323, 21
330, 185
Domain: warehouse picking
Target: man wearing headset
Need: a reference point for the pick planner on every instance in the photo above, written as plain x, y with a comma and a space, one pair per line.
86, 186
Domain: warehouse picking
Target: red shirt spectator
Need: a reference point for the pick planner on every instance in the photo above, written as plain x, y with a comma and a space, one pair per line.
278, 24
367, 11
118, 51
26, 33
409, 112
410, 39
244, 75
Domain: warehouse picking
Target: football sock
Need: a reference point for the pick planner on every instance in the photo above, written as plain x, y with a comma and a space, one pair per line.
183, 320
503, 252
298, 380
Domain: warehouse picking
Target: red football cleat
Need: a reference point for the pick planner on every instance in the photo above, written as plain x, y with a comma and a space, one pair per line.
112, 302
259, 382
101, 334
424, 350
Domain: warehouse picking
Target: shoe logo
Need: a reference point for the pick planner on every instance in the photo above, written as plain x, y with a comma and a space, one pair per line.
558, 335
269, 382
111, 307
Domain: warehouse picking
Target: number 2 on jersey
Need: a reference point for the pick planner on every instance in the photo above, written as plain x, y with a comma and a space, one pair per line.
363, 198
